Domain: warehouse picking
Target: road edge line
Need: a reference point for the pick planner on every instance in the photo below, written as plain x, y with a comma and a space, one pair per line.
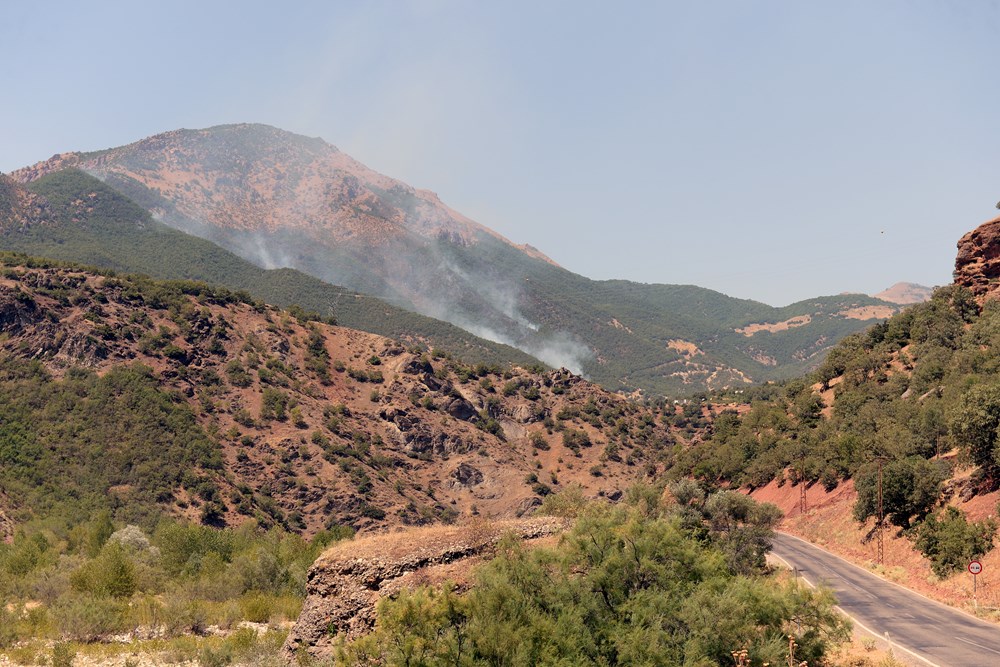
989, 624
852, 618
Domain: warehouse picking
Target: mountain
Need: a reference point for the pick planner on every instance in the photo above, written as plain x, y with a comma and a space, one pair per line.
281, 200
905, 294
75, 217
140, 397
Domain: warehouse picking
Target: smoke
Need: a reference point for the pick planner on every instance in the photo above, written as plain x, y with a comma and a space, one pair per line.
256, 248
554, 348
561, 353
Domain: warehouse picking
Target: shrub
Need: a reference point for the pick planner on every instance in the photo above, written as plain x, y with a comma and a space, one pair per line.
950, 541
112, 573
538, 441
8, 633
257, 607
62, 655
575, 439
274, 405
87, 618
183, 614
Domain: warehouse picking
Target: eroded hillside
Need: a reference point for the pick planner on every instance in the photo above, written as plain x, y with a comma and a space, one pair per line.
298, 422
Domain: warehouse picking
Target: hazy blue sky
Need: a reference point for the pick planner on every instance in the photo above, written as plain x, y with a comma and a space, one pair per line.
769, 150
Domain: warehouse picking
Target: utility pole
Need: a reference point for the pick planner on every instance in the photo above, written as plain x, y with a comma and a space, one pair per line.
881, 516
802, 484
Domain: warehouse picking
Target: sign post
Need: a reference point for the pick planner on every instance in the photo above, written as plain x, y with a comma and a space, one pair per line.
975, 567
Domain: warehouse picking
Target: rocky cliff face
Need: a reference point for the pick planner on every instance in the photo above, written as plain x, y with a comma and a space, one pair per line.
977, 265
346, 583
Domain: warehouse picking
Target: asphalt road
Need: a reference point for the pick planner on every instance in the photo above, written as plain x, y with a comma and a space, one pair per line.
927, 632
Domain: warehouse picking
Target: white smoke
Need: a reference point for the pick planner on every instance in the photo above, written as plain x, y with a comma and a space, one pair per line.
556, 349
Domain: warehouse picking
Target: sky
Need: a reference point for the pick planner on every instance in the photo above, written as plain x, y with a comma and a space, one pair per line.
768, 150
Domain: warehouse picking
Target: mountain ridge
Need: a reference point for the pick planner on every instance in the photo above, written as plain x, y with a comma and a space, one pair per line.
384, 238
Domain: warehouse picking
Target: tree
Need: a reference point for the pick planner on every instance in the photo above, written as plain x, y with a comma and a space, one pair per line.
910, 488
950, 541
974, 422
742, 529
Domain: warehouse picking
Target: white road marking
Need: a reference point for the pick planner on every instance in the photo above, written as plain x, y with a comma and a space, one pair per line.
985, 648
857, 622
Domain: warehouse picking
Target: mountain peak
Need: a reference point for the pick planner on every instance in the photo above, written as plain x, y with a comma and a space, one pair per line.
251, 177
905, 294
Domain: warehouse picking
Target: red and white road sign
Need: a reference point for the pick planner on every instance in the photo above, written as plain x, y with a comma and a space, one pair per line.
975, 567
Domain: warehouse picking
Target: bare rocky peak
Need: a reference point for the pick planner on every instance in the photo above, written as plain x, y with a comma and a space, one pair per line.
977, 265
905, 294
257, 178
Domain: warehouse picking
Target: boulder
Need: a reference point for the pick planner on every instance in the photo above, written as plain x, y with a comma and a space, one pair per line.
467, 475
459, 408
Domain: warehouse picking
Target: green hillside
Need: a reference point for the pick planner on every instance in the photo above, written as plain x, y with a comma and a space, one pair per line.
634, 352
913, 392
97, 226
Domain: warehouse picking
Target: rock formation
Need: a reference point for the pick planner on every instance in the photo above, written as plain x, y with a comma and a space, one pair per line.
347, 581
977, 265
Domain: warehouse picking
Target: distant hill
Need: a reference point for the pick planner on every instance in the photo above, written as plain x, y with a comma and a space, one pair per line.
905, 294
282, 200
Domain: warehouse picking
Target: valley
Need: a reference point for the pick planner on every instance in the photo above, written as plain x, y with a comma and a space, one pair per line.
456, 334
288, 427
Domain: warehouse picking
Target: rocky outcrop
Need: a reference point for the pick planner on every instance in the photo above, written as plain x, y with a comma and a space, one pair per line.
347, 581
467, 475
18, 207
977, 265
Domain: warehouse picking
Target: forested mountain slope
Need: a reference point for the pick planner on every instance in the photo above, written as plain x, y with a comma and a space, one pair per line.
282, 200
918, 395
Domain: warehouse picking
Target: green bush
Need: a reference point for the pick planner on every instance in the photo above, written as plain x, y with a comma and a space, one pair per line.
62, 655
112, 573
950, 541
86, 618
257, 607
8, 633
625, 586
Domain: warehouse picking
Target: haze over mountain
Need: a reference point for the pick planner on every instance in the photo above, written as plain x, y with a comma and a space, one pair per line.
279, 199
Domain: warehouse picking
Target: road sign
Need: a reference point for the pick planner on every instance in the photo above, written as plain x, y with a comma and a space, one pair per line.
975, 567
